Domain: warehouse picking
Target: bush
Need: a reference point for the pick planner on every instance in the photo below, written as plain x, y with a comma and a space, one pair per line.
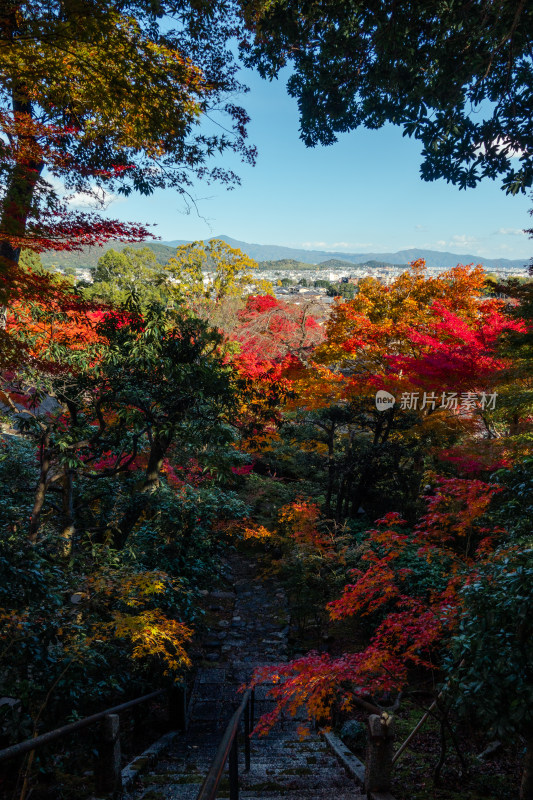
494, 646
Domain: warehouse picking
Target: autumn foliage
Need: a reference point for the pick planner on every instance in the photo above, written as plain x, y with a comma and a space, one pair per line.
156, 438
144, 428
410, 626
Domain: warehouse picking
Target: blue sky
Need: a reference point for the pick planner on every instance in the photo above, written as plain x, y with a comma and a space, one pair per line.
362, 194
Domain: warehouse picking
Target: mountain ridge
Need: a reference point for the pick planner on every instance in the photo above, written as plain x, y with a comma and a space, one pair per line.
435, 259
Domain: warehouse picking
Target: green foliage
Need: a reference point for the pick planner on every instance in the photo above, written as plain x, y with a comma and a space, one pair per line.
30, 260
60, 654
132, 272
18, 472
488, 664
354, 734
514, 510
88, 257
95, 594
182, 537
285, 263
332, 450
359, 64
342, 289
43, 629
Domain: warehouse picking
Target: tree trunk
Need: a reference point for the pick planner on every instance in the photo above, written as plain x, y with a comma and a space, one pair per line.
40, 493
19, 195
155, 461
347, 491
139, 504
360, 494
67, 533
340, 498
526, 786
331, 470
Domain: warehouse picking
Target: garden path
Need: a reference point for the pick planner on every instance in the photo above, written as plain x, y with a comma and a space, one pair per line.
249, 628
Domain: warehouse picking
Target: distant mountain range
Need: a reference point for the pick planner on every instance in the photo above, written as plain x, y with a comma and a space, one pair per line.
434, 258
271, 252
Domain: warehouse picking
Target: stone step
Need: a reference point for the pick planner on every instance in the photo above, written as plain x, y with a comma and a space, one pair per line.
326, 794
282, 767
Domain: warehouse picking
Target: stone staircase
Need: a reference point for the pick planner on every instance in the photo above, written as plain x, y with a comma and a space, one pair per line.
254, 633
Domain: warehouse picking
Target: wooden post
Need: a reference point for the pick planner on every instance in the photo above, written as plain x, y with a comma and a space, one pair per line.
234, 770
247, 713
252, 709
177, 708
108, 773
379, 754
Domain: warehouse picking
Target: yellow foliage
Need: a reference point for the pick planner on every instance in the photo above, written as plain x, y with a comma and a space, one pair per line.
303, 732
256, 532
154, 634
228, 272
300, 520
248, 530
132, 589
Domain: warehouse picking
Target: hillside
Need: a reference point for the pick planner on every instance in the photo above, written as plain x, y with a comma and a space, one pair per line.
434, 258
337, 263
279, 257
285, 263
88, 257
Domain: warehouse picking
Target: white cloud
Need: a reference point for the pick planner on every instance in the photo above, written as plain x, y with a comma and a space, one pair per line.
504, 146
511, 232
335, 245
463, 238
95, 198
458, 240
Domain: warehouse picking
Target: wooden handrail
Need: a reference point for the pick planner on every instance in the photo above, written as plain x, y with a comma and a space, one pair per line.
45, 738
227, 746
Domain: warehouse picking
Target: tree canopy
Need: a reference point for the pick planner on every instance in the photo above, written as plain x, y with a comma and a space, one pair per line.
228, 272
131, 273
455, 75
98, 98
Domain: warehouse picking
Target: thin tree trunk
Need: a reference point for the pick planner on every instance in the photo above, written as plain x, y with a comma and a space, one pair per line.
160, 445
526, 786
67, 533
358, 498
340, 498
155, 462
331, 470
40, 493
349, 485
